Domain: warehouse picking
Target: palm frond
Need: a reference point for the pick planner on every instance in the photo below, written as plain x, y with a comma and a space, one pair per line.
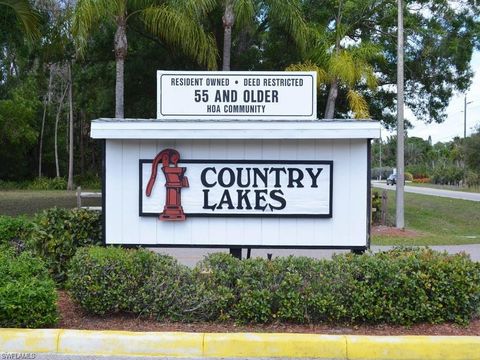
26, 15
318, 46
322, 75
182, 31
342, 66
191, 7
88, 13
358, 105
244, 12
288, 14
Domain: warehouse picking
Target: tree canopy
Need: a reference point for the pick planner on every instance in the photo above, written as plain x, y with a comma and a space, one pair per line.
351, 43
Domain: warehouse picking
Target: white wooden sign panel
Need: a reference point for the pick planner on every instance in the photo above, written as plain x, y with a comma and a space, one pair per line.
347, 227
275, 95
245, 188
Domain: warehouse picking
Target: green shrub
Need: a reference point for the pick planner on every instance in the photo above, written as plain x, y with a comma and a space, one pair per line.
401, 286
59, 232
108, 280
169, 291
14, 231
27, 294
11, 185
44, 183
88, 181
418, 171
408, 176
377, 205
447, 175
472, 179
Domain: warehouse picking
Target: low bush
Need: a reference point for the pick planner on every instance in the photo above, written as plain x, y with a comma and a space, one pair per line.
27, 293
422, 181
57, 233
472, 179
418, 171
14, 231
376, 205
448, 175
396, 287
42, 183
88, 181
108, 280
408, 176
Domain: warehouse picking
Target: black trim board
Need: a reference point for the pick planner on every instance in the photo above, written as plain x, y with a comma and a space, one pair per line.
104, 193
233, 161
369, 189
243, 246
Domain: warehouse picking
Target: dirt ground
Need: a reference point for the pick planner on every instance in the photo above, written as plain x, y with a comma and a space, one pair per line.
393, 231
72, 317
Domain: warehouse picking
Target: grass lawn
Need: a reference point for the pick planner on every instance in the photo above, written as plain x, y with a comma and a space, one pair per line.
438, 221
446, 187
28, 202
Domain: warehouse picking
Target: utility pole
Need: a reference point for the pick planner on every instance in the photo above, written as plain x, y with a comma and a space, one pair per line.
465, 103
400, 216
380, 175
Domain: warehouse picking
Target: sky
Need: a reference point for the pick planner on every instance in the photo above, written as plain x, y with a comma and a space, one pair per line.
453, 125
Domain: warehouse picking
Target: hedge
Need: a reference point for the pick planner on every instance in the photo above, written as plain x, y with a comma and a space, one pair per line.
58, 233
401, 286
14, 231
27, 293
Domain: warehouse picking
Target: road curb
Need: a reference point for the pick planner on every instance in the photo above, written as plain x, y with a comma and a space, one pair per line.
274, 345
238, 345
28, 340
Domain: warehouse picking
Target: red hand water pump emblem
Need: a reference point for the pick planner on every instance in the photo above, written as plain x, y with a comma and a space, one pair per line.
175, 181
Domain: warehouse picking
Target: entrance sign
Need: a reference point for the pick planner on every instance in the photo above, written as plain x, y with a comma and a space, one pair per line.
223, 183
242, 188
280, 95
234, 160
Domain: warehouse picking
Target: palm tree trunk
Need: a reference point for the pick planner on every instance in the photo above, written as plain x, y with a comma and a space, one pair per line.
121, 46
70, 142
228, 21
59, 110
332, 98
82, 150
333, 92
40, 151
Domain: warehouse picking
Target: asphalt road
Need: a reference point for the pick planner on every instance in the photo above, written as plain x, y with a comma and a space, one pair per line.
429, 191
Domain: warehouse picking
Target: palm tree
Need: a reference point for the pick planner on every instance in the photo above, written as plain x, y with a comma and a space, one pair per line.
347, 67
176, 22
26, 15
285, 13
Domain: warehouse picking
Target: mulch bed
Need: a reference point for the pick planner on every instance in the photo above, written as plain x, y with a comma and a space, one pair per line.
72, 317
393, 231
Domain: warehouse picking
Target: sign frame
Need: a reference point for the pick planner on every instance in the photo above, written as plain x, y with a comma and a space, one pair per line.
237, 116
246, 215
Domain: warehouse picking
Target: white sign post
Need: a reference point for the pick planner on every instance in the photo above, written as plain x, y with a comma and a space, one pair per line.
236, 95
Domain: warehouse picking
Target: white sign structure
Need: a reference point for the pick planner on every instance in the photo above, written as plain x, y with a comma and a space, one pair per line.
236, 95
244, 188
185, 212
